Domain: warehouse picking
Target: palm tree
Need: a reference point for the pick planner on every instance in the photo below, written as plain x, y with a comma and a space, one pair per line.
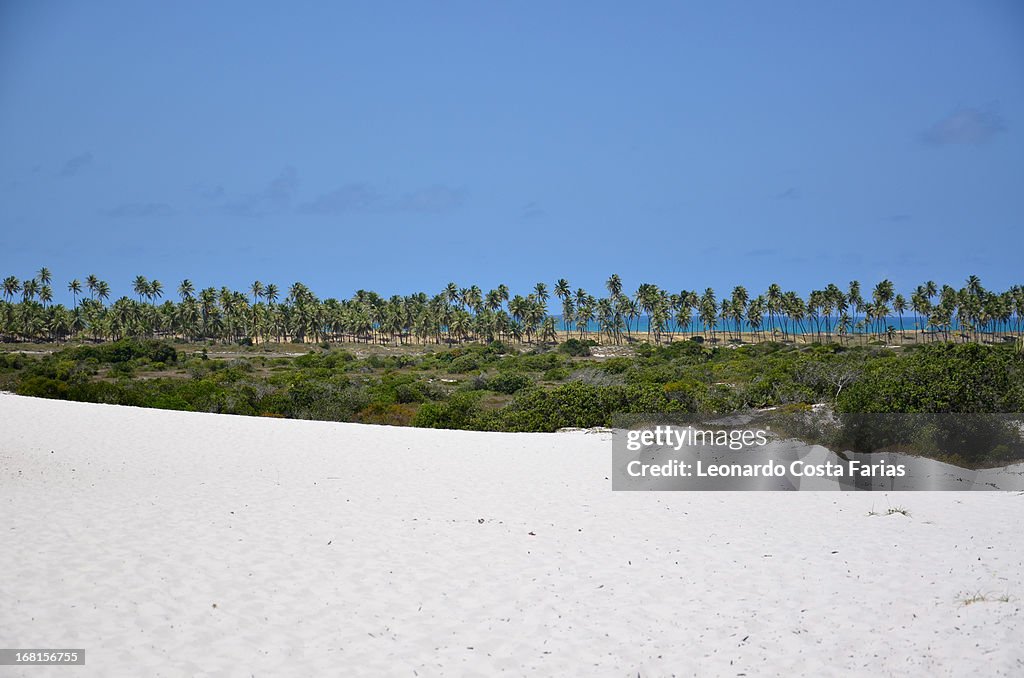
816, 304
548, 332
972, 302
492, 301
256, 289
451, 293
627, 309
188, 318
75, 287
585, 307
563, 292
614, 285
708, 311
725, 313
474, 298
794, 309
11, 287
44, 276
738, 307
140, 286
687, 302
464, 314
755, 314
604, 318
517, 307
155, 291
459, 325
773, 302
899, 305
921, 304
646, 298
540, 290
881, 296
207, 309
835, 301
658, 320
562, 289
29, 289
91, 283
854, 299
536, 311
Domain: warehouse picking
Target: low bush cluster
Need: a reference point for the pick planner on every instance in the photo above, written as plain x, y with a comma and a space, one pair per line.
494, 388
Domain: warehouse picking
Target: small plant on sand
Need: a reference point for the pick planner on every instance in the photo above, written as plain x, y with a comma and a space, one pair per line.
902, 510
978, 597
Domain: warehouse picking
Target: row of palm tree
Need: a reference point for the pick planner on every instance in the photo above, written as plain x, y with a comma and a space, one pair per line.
460, 314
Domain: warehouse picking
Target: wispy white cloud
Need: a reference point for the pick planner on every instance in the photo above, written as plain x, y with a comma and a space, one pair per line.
432, 199
141, 210
532, 210
363, 197
274, 198
77, 164
965, 126
344, 199
207, 192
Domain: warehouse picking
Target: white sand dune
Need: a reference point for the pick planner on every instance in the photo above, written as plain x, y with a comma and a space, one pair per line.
178, 544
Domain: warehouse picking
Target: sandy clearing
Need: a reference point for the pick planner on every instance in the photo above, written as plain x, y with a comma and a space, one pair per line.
170, 544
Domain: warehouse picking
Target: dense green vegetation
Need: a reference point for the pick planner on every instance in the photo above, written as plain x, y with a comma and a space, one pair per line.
497, 361
496, 387
459, 315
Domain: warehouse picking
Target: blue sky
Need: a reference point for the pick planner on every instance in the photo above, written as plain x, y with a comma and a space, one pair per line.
397, 146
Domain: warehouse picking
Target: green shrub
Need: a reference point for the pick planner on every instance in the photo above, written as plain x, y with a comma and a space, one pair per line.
958, 378
126, 350
508, 382
42, 387
122, 369
463, 364
497, 348
569, 405
687, 393
388, 414
12, 361
574, 347
332, 360
557, 374
460, 411
533, 362
650, 398
409, 393
333, 400
615, 365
